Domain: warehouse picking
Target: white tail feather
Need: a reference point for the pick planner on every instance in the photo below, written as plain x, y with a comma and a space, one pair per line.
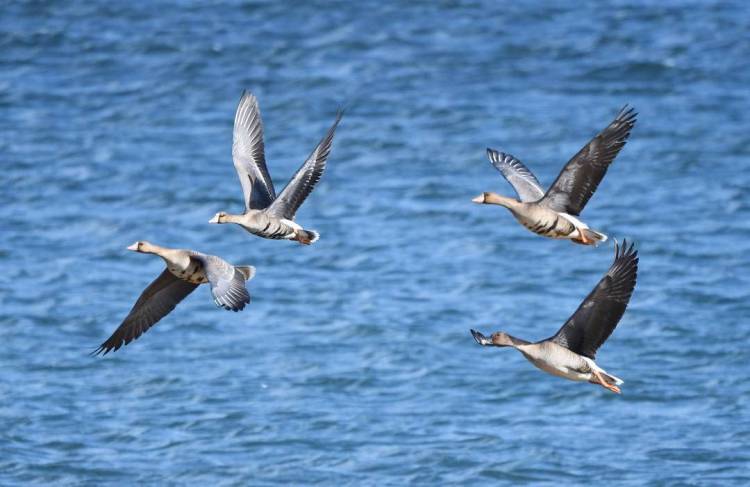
617, 381
247, 270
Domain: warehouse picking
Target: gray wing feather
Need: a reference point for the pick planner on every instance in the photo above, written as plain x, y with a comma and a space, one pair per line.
597, 316
156, 301
227, 282
518, 175
248, 154
306, 177
581, 176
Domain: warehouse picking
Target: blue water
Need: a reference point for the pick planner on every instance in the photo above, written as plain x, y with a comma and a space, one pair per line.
354, 364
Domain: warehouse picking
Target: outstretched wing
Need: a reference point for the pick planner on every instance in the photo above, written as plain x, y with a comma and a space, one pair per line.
156, 301
248, 153
227, 282
306, 177
518, 175
582, 174
598, 315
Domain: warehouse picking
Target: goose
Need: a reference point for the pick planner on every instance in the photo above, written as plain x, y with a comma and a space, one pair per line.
571, 352
554, 213
186, 270
267, 215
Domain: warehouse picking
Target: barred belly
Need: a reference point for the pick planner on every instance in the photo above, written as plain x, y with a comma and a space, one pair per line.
193, 273
557, 360
273, 228
552, 226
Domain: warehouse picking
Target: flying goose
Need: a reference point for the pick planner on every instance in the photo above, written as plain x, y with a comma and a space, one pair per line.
554, 214
267, 215
570, 353
186, 270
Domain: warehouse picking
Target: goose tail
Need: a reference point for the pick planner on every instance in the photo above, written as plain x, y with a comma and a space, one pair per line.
612, 379
593, 236
609, 378
307, 237
247, 271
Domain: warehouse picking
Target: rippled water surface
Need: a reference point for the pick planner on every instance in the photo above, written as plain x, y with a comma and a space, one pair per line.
354, 364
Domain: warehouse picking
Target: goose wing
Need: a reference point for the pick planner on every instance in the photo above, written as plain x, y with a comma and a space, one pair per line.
227, 282
518, 175
156, 301
306, 177
248, 154
582, 174
598, 315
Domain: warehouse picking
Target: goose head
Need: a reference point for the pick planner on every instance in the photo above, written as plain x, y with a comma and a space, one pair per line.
141, 246
489, 198
499, 339
220, 217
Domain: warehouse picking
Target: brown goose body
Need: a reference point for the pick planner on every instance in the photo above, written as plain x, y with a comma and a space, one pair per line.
536, 218
266, 214
185, 271
555, 213
571, 352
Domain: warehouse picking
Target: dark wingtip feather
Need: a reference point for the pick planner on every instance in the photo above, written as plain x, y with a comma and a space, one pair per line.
341, 110
630, 251
495, 156
339, 115
626, 117
624, 268
621, 126
323, 148
105, 348
627, 113
624, 250
100, 350
112, 344
246, 93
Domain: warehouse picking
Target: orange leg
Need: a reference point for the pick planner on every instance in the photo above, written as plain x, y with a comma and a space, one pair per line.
584, 240
604, 384
302, 239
